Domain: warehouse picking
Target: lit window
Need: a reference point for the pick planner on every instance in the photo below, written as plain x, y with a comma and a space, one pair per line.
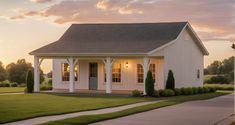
140, 73
66, 71
198, 74
153, 70
116, 73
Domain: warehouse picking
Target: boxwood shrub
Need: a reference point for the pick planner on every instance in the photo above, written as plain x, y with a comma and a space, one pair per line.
169, 92
136, 93
200, 90
212, 89
206, 89
156, 93
195, 90
162, 93
177, 91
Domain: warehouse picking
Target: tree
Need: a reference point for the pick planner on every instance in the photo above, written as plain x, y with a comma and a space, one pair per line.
149, 84
170, 82
3, 74
215, 68
29, 82
17, 72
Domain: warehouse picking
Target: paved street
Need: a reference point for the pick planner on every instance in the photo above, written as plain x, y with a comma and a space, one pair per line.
207, 112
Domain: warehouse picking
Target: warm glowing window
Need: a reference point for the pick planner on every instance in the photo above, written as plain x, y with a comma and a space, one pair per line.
65, 72
198, 73
152, 68
140, 73
116, 73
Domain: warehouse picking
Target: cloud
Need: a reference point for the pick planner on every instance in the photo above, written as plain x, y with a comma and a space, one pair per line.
40, 1
121, 6
212, 19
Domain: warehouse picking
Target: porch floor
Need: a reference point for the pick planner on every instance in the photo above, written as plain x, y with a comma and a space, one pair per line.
85, 91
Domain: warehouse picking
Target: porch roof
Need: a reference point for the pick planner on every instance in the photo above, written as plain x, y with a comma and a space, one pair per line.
123, 38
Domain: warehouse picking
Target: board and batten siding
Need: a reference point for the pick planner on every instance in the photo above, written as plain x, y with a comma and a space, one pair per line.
184, 58
128, 75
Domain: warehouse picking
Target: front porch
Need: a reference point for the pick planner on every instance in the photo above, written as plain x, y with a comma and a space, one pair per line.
118, 75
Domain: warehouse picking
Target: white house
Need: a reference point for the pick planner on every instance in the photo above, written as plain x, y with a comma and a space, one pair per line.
117, 56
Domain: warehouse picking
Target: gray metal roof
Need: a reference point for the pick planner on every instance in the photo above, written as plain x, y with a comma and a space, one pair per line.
113, 38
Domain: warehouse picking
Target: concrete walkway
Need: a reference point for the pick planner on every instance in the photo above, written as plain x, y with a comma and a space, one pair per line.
214, 111
13, 93
40, 120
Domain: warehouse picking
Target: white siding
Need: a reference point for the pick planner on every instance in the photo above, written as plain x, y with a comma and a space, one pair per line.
128, 75
183, 57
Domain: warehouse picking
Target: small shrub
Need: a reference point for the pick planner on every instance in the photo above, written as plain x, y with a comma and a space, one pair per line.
187, 91
190, 90
195, 90
170, 82
169, 92
14, 84
212, 89
136, 93
149, 84
206, 89
184, 91
200, 90
44, 88
162, 93
5, 83
30, 82
156, 93
177, 91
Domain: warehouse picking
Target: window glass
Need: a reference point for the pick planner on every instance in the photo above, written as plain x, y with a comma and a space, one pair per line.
116, 73
66, 71
140, 73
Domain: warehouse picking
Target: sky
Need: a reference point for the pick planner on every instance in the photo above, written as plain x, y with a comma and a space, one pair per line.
26, 25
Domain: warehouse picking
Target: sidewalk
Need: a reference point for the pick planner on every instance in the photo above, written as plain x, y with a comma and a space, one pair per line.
43, 119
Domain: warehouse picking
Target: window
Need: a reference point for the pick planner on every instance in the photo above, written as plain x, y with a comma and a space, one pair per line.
65, 72
140, 73
116, 73
153, 70
198, 74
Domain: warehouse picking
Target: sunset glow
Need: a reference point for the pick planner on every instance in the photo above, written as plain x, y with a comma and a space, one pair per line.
29, 24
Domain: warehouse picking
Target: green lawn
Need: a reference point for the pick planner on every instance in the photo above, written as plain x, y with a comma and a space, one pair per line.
24, 106
11, 89
83, 120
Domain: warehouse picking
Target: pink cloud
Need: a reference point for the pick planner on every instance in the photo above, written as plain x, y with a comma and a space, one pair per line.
212, 19
40, 1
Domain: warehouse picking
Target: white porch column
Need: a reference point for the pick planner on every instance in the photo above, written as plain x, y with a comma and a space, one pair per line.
109, 63
71, 75
36, 75
146, 68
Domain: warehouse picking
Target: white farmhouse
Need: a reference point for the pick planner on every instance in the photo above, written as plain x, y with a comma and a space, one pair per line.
116, 57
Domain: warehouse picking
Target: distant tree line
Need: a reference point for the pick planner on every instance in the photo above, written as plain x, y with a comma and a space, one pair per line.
220, 71
17, 72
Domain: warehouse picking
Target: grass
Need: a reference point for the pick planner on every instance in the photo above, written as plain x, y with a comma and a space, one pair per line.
25, 106
221, 86
11, 89
87, 119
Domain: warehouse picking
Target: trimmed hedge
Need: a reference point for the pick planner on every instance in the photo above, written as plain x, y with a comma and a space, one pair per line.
221, 86
177, 91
